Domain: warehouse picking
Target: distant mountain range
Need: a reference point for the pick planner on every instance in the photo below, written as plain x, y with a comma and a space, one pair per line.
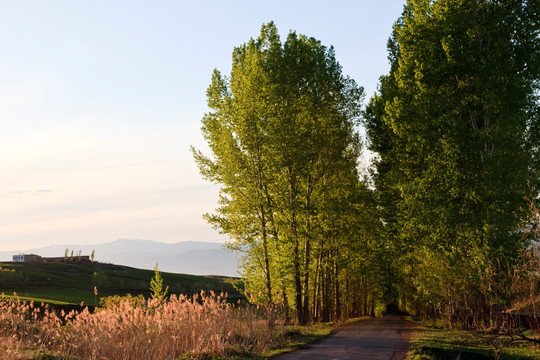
188, 257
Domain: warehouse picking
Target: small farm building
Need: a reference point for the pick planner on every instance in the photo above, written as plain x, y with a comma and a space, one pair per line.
26, 258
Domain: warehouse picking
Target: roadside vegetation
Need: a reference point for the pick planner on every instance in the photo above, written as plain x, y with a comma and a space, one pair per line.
434, 341
200, 327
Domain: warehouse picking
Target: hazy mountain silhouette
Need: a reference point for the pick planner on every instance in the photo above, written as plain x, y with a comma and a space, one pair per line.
189, 257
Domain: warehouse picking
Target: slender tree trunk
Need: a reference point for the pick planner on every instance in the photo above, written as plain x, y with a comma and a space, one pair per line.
307, 255
261, 185
267, 271
325, 302
297, 280
364, 293
286, 307
317, 285
336, 288
299, 318
266, 256
305, 299
346, 307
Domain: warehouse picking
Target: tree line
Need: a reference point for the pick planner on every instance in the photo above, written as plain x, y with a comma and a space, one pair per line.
455, 127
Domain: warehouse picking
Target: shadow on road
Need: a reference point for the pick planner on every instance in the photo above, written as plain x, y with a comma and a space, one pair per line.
384, 338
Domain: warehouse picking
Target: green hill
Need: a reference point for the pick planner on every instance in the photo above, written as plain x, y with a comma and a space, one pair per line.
65, 283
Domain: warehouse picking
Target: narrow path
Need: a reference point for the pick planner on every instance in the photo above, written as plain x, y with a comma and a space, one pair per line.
383, 338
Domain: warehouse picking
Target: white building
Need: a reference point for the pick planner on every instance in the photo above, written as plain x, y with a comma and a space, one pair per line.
18, 258
26, 258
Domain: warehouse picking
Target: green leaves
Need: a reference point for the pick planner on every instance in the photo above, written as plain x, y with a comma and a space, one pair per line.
452, 128
284, 148
156, 285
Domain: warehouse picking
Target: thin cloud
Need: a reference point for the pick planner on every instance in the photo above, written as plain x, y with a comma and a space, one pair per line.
32, 192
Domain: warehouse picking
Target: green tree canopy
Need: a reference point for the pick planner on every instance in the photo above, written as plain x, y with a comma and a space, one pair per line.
455, 124
281, 130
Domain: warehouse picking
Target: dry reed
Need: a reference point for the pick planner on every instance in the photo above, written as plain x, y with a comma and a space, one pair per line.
202, 326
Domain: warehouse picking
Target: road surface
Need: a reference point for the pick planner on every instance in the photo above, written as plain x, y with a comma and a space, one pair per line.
382, 338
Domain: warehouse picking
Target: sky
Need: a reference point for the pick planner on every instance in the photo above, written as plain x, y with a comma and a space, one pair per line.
100, 102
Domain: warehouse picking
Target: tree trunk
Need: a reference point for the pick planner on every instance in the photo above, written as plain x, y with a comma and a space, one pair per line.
336, 289
299, 319
325, 300
307, 255
286, 307
267, 271
317, 286
365, 310
305, 300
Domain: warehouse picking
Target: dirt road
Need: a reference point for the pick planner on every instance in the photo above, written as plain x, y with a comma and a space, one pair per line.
383, 338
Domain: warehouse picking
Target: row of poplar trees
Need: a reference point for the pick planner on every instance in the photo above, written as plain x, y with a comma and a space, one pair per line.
455, 126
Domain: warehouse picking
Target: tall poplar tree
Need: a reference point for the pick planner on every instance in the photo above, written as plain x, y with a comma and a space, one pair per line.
456, 127
281, 129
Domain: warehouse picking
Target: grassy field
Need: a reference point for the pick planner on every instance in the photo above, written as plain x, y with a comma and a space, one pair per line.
434, 342
69, 283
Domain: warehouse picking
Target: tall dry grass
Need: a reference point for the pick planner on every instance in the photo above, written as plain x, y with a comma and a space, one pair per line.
202, 326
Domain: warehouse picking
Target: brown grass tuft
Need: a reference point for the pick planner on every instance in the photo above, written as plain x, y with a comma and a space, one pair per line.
205, 325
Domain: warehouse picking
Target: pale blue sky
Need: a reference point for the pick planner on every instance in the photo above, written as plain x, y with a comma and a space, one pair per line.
100, 101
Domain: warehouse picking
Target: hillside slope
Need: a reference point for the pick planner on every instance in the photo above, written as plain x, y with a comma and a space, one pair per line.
192, 257
74, 283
